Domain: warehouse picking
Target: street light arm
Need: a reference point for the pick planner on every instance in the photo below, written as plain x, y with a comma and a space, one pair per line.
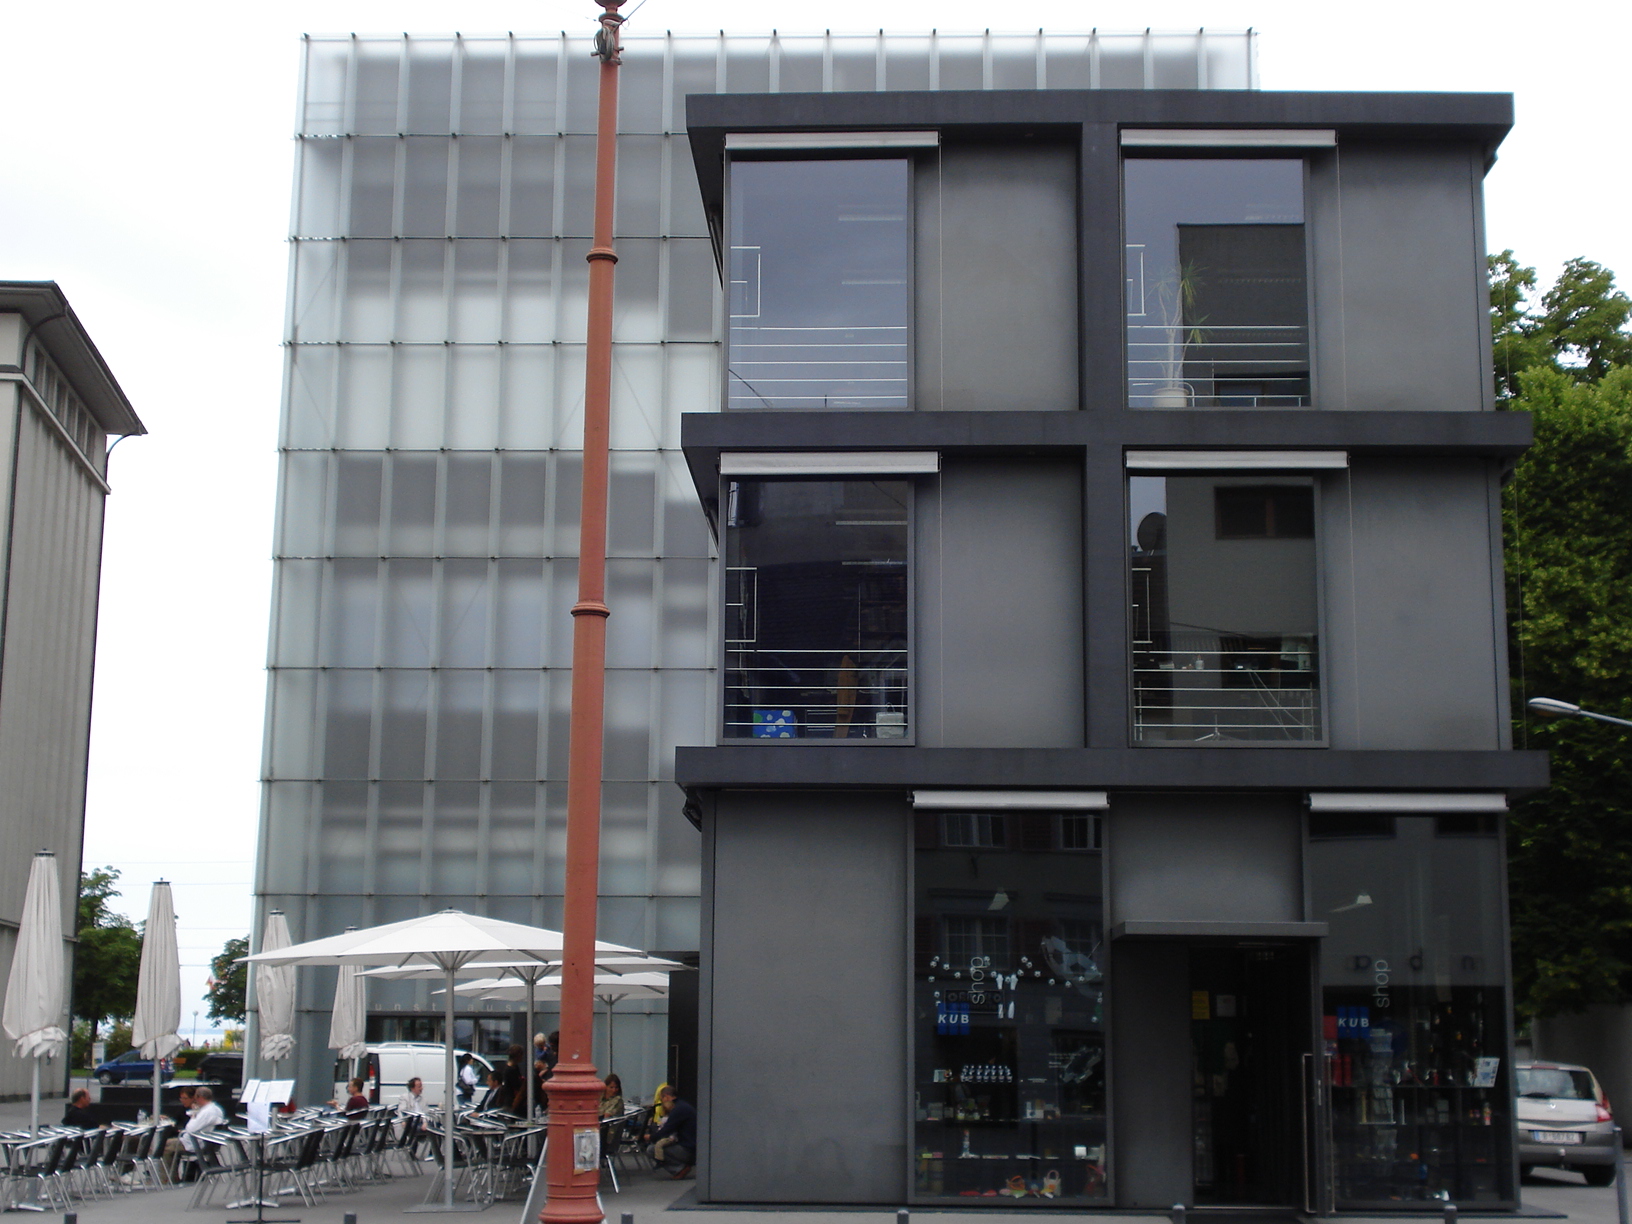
1551, 707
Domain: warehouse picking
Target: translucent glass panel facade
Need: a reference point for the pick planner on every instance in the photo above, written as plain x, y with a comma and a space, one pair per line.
427, 538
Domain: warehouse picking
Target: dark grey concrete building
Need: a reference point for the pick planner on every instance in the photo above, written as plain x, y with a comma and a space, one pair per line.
1112, 724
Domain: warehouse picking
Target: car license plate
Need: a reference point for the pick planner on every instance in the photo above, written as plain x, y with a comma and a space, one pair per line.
1562, 1137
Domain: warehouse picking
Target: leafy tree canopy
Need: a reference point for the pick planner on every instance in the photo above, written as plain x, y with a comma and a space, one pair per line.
1578, 326
109, 957
1568, 515
229, 981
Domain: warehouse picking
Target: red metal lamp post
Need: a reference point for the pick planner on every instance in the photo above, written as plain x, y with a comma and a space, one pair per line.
573, 1168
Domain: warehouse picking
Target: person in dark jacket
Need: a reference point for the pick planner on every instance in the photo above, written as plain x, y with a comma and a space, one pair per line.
674, 1144
79, 1112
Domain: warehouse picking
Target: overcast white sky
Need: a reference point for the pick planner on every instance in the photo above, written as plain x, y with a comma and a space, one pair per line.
147, 171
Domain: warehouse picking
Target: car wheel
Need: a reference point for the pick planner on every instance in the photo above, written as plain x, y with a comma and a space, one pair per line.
1599, 1175
105, 1079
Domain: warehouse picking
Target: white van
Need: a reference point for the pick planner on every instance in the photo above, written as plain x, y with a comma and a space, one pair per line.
391, 1064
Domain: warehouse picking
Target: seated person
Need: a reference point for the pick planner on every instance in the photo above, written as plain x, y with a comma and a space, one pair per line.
79, 1112
356, 1105
674, 1144
515, 1087
207, 1115
413, 1101
612, 1097
496, 1097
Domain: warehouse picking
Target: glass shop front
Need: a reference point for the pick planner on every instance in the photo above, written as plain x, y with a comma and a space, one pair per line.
1399, 1012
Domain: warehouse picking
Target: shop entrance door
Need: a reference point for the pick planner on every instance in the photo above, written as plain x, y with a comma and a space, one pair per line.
1250, 1024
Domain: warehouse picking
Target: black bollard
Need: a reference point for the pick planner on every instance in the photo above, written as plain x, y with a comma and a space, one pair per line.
70, 1217
1177, 1214
901, 1216
627, 1217
349, 1218
1450, 1212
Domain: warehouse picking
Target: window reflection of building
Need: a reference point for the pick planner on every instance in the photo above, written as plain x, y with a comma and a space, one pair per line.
1217, 307
1224, 619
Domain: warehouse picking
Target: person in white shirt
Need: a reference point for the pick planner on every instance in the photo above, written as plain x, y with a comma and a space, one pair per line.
468, 1079
413, 1101
206, 1116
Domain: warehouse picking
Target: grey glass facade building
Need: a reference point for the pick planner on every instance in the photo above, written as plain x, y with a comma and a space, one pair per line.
420, 646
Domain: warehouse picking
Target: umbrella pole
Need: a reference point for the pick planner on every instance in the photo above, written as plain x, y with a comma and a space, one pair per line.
157, 1062
447, 1095
34, 1101
532, 1079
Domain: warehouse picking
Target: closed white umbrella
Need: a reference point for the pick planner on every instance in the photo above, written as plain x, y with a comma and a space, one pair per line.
275, 993
34, 992
158, 989
348, 1026
448, 940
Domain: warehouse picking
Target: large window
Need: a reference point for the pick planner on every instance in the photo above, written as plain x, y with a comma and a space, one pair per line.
1224, 614
816, 624
1217, 285
1413, 979
1009, 1009
820, 289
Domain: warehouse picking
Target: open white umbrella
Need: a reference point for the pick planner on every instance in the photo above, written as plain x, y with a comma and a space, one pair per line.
275, 993
34, 992
158, 989
348, 1027
448, 940
609, 988
611, 960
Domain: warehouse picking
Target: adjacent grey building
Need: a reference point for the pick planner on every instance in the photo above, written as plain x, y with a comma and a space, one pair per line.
1111, 734
59, 405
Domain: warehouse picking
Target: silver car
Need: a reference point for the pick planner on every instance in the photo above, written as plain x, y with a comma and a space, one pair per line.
1564, 1120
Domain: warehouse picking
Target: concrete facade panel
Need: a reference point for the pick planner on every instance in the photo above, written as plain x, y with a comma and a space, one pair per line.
1413, 590
1003, 217
1000, 606
1221, 858
1399, 278
807, 1072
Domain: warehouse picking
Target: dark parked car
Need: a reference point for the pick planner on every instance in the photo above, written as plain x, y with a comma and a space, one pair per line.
223, 1067
128, 1066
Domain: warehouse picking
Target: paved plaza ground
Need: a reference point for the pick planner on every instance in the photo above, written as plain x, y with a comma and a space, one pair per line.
651, 1198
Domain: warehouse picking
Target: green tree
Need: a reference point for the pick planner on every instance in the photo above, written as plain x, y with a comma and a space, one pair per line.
1568, 512
229, 981
108, 959
1578, 326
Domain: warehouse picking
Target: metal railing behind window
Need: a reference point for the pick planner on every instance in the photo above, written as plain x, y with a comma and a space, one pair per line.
817, 367
1198, 687
816, 694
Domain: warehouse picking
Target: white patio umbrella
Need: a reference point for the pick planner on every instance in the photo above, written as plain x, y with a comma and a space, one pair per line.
609, 988
275, 993
448, 940
34, 992
158, 989
348, 1035
611, 960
